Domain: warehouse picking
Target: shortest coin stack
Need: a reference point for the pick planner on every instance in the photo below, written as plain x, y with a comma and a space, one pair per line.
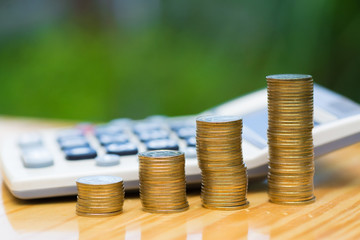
162, 181
99, 196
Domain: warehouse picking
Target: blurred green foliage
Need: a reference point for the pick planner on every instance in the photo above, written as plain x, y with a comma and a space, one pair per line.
88, 64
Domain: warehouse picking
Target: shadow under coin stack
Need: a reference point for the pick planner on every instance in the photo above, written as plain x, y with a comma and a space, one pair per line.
223, 172
99, 196
291, 150
162, 181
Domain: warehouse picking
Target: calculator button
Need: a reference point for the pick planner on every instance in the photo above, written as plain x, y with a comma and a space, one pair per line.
122, 149
146, 126
153, 135
156, 118
190, 152
108, 129
191, 142
73, 143
124, 122
80, 153
37, 158
106, 139
29, 140
175, 126
69, 133
108, 160
186, 132
167, 144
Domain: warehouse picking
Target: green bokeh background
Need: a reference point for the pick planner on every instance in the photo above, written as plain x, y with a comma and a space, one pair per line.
99, 60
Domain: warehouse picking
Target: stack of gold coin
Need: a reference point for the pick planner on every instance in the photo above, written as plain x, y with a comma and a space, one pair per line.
162, 181
99, 196
223, 172
291, 150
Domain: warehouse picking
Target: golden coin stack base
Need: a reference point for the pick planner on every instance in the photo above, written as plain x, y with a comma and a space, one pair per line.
99, 196
162, 181
223, 173
291, 157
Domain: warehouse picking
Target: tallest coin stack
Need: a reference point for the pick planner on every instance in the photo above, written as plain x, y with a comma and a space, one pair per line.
291, 150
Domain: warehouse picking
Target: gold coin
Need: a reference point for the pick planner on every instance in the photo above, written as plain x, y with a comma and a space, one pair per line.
219, 153
233, 208
291, 154
162, 181
99, 196
85, 214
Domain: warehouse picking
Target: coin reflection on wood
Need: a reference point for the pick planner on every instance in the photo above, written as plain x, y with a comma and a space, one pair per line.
223, 172
99, 196
291, 150
162, 181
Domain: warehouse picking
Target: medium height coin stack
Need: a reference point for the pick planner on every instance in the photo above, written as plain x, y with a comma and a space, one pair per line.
291, 150
162, 181
99, 196
223, 172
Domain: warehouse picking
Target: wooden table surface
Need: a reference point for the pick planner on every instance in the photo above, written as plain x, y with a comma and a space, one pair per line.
334, 215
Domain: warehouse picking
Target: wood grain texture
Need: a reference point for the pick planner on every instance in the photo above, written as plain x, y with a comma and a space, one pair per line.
334, 215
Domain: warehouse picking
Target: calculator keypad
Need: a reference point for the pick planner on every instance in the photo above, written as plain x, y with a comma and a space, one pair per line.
114, 139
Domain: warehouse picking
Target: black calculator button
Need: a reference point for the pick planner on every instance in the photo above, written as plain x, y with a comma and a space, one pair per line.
80, 153
122, 149
186, 132
153, 135
191, 142
106, 139
165, 144
73, 143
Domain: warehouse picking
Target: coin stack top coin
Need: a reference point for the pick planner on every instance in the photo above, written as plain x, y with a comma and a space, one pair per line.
162, 181
291, 150
99, 196
223, 172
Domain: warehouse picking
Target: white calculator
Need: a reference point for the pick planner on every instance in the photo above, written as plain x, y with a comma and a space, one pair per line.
46, 164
